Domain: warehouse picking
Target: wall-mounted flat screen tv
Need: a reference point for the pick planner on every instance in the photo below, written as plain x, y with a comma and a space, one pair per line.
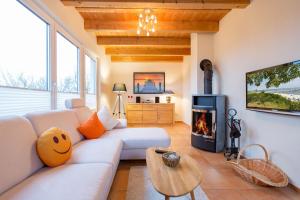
149, 82
275, 89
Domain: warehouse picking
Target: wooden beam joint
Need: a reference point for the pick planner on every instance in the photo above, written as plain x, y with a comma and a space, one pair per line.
172, 26
146, 51
147, 58
168, 4
144, 41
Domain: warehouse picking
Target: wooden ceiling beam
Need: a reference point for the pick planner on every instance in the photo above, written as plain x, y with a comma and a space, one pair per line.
139, 10
143, 41
166, 4
147, 58
178, 26
147, 51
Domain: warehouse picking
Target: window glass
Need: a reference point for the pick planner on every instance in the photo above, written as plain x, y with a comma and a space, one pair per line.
24, 60
23, 48
90, 75
67, 66
67, 70
90, 82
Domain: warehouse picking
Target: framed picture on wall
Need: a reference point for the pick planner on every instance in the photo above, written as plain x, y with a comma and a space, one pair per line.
148, 82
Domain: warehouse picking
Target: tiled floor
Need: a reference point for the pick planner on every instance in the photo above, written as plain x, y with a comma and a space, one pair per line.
220, 182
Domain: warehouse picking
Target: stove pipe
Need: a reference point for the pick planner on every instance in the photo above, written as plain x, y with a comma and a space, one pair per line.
206, 66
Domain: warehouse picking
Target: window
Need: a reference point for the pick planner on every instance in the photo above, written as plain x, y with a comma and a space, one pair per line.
67, 70
24, 61
90, 82
32, 78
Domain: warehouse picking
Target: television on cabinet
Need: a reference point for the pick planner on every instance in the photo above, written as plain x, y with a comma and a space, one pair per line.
149, 82
274, 89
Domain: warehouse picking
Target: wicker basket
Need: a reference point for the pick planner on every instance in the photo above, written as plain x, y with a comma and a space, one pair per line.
259, 171
171, 162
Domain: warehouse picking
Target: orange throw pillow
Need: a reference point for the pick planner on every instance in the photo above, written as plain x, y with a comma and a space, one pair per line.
92, 128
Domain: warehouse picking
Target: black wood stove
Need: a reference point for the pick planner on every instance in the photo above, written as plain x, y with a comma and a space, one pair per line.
208, 122
208, 115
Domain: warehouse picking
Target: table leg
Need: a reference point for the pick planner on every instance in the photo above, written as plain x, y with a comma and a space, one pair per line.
192, 195
167, 198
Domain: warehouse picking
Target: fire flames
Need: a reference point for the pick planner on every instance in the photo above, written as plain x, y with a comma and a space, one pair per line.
201, 125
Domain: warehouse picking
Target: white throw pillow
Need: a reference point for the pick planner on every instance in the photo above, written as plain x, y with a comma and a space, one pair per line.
122, 123
106, 118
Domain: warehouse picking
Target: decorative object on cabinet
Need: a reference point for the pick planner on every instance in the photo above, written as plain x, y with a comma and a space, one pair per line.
130, 99
157, 100
119, 89
137, 99
169, 95
150, 113
147, 101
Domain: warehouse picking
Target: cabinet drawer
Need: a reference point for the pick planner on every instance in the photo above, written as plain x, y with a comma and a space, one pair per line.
149, 107
165, 107
165, 117
134, 117
134, 107
149, 117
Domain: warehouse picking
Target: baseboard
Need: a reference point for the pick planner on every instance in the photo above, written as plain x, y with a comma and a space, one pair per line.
293, 187
182, 122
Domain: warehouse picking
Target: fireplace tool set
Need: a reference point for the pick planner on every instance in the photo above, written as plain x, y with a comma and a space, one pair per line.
235, 133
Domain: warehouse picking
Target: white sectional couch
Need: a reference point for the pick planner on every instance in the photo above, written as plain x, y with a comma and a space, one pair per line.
89, 173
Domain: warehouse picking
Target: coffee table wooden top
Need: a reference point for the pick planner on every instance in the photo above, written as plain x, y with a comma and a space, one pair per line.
173, 182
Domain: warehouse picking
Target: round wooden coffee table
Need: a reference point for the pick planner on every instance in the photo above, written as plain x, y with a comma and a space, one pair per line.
173, 182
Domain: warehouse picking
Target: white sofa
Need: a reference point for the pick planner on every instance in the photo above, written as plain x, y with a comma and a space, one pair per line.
87, 175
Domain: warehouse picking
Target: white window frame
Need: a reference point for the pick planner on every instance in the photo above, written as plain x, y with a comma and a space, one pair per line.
94, 58
55, 25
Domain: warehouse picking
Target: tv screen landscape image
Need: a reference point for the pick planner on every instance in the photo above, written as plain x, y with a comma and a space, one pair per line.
275, 88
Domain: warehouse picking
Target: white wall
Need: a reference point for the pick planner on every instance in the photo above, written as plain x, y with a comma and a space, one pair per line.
186, 90
201, 48
70, 18
123, 72
106, 97
262, 35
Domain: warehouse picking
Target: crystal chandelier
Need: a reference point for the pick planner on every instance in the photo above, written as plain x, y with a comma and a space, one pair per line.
147, 22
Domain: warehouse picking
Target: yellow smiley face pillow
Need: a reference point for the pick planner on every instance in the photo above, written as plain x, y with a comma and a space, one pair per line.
54, 147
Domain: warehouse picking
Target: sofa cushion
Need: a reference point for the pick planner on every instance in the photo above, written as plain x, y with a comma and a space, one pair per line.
66, 182
66, 120
122, 123
97, 151
106, 118
140, 138
92, 128
18, 157
74, 103
54, 147
83, 114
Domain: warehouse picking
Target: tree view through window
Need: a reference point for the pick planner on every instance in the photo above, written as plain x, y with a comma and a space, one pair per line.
90, 82
27, 68
24, 48
24, 60
67, 70
67, 66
